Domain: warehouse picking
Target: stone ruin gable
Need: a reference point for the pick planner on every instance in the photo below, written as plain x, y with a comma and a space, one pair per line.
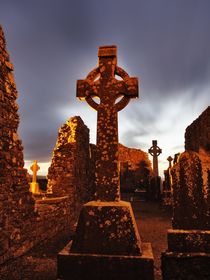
69, 172
16, 202
191, 207
197, 134
135, 167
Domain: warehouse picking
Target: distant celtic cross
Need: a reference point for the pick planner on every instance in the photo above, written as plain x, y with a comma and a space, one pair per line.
169, 159
34, 168
102, 83
155, 151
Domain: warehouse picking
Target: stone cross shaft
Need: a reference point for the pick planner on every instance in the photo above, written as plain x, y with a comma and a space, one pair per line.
155, 151
34, 168
102, 83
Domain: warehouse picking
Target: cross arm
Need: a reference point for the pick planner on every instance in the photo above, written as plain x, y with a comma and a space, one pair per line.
82, 89
132, 87
85, 91
86, 88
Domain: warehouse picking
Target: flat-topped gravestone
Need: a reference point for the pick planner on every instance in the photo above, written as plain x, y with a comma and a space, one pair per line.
107, 239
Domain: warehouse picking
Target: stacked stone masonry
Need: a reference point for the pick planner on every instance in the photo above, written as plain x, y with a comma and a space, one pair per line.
71, 171
197, 135
24, 222
16, 202
197, 139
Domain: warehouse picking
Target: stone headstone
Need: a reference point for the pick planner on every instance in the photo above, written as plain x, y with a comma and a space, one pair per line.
106, 238
188, 255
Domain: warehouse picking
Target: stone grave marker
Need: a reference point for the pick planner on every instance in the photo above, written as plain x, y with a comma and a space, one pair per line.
169, 159
155, 188
155, 151
34, 185
188, 254
107, 244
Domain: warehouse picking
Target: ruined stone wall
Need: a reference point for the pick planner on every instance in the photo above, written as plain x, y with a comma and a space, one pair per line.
135, 167
197, 139
197, 134
23, 222
16, 202
70, 170
53, 221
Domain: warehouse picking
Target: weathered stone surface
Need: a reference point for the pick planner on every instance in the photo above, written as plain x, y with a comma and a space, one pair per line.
23, 222
197, 134
185, 266
197, 139
106, 228
190, 208
16, 202
71, 172
114, 222
135, 168
188, 242
108, 89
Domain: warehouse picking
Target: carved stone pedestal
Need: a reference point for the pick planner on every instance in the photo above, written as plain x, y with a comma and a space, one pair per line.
94, 266
188, 255
106, 246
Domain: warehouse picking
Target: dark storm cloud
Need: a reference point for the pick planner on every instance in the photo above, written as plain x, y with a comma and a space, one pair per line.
53, 43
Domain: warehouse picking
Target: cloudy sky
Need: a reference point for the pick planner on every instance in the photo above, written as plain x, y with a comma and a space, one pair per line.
165, 43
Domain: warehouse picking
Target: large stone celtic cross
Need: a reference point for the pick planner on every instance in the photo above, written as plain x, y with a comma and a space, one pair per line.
102, 83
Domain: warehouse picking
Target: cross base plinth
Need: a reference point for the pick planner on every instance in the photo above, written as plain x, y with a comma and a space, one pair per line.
107, 245
76, 266
107, 228
188, 255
